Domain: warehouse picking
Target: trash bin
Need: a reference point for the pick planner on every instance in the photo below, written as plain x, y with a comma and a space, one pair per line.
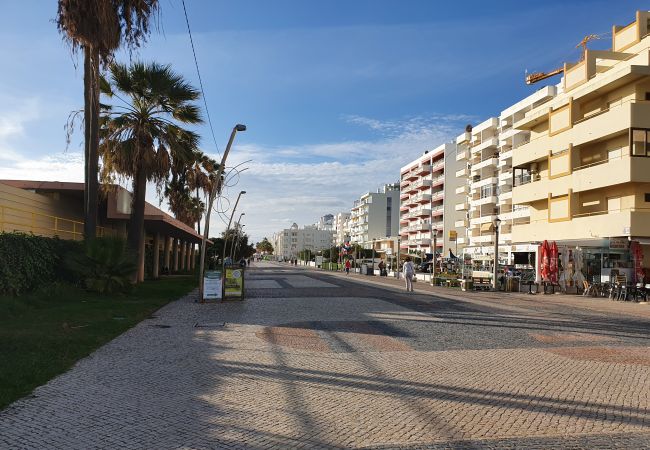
466, 285
369, 270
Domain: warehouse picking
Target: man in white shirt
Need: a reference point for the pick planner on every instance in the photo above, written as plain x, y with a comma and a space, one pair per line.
409, 273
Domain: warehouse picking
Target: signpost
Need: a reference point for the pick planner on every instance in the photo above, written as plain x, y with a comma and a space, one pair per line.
212, 285
234, 283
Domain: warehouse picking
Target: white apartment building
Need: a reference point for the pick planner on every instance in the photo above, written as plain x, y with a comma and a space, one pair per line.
375, 215
291, 241
488, 150
341, 228
427, 185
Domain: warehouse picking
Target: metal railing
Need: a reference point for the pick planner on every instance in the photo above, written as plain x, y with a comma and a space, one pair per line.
14, 219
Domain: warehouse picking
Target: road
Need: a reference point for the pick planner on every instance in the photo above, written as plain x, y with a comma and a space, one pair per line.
321, 360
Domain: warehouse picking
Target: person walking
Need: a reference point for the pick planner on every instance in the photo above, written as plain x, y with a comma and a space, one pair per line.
347, 267
409, 271
382, 269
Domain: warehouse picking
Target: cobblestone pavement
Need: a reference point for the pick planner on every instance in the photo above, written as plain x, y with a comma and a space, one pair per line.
318, 360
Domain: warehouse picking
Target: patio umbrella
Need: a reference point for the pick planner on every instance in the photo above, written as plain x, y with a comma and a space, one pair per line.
553, 269
545, 263
637, 254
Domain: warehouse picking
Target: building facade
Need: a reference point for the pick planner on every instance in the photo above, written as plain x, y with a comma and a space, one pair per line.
585, 172
427, 192
375, 215
341, 226
288, 243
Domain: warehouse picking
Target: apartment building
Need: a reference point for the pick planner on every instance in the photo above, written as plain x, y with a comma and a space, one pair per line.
428, 195
341, 227
585, 172
375, 215
488, 150
291, 241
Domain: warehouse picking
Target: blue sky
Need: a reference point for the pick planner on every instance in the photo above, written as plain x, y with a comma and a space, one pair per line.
337, 95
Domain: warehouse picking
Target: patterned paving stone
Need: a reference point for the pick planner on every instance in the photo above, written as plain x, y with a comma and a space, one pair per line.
327, 362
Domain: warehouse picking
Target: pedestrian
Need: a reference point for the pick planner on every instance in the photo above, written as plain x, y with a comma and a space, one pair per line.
382, 269
347, 267
409, 271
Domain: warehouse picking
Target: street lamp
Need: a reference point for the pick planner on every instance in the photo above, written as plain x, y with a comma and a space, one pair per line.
235, 247
216, 189
373, 256
433, 259
496, 223
225, 239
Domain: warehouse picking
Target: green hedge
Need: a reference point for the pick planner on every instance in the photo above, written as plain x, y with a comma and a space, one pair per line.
27, 261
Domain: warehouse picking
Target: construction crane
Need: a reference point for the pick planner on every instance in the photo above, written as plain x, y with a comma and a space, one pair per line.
538, 76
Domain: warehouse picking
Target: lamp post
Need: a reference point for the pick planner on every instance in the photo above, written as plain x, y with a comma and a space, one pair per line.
223, 259
373, 256
216, 189
496, 223
232, 247
433, 259
237, 243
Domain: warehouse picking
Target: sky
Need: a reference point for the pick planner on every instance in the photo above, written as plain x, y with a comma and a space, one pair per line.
337, 95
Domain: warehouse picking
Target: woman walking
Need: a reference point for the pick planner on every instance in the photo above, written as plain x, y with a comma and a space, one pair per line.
409, 271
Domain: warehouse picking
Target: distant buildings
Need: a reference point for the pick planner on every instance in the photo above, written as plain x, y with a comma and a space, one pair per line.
288, 243
375, 215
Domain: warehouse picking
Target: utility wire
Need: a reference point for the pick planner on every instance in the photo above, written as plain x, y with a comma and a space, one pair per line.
198, 72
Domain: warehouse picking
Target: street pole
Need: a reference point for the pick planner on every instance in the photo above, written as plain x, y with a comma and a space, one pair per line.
433, 260
236, 229
223, 259
216, 189
373, 256
496, 222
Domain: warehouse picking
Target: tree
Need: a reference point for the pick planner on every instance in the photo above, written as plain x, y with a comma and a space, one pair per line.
141, 138
186, 180
265, 246
97, 27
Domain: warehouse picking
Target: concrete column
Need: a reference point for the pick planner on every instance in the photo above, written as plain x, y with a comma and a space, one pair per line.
156, 255
193, 257
187, 255
167, 250
175, 255
141, 260
182, 255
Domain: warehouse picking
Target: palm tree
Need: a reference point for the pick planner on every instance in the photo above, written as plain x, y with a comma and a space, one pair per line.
186, 180
141, 138
97, 27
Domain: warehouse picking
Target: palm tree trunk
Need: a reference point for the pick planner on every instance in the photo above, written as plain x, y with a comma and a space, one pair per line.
135, 236
91, 140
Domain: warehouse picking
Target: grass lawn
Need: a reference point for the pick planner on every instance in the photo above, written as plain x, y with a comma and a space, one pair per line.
43, 334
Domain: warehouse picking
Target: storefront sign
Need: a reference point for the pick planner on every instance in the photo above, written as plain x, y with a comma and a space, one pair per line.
453, 235
234, 283
618, 243
212, 285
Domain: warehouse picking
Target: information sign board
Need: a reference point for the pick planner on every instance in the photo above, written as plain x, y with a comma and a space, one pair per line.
212, 286
234, 282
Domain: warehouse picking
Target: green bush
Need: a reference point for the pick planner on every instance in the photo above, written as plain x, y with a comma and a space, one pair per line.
28, 261
105, 266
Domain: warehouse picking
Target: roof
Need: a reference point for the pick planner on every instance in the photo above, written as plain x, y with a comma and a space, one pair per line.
156, 219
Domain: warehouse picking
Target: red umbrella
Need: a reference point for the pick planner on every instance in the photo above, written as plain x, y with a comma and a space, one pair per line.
544, 263
553, 275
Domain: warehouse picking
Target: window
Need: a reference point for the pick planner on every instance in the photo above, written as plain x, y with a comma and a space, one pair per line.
647, 96
640, 142
647, 198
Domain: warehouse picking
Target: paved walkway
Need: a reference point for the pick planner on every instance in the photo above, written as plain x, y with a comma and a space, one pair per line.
321, 360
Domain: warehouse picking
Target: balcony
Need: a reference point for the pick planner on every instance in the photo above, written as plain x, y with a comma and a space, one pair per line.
490, 199
620, 170
462, 173
505, 179
438, 195
485, 239
462, 206
489, 162
462, 155
461, 223
632, 222
420, 184
422, 212
423, 169
614, 121
486, 143
484, 182
420, 198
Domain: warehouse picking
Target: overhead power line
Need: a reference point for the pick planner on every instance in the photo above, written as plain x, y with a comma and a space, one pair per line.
198, 72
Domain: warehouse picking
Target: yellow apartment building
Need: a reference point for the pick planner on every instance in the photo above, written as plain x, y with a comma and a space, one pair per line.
585, 174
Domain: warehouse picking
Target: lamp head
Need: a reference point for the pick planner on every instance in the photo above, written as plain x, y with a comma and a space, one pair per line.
497, 222
242, 192
240, 127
